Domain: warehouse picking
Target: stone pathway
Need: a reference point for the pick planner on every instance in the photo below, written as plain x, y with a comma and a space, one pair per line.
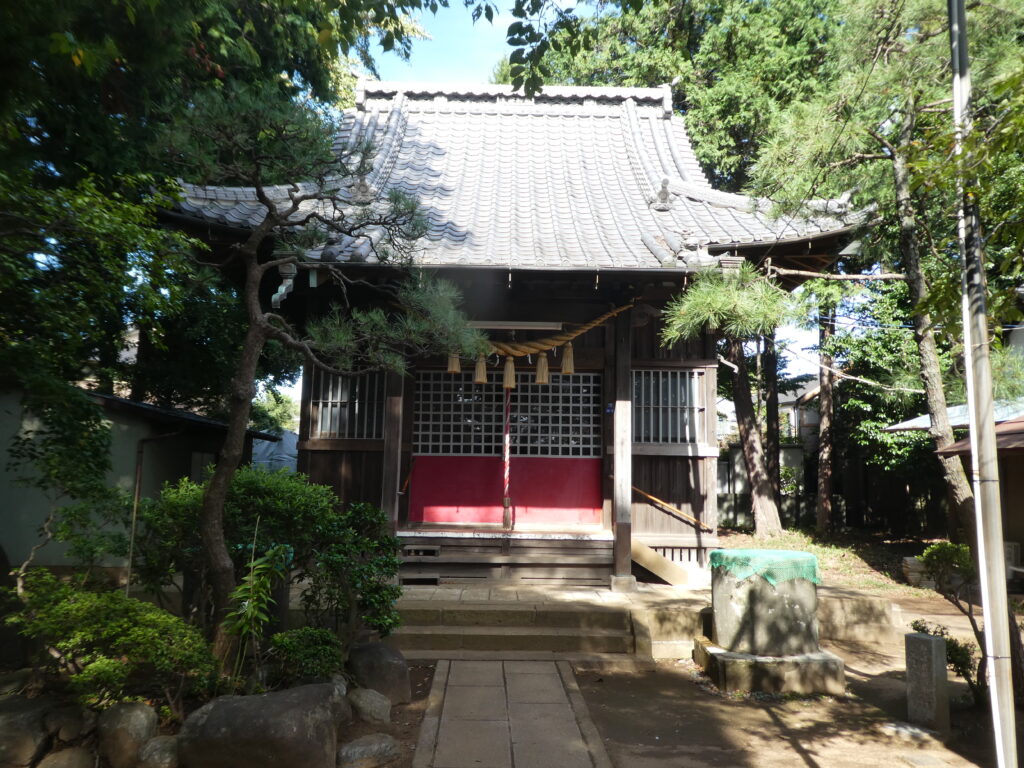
507, 714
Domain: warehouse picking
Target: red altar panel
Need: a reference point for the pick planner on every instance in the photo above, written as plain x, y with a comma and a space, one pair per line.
467, 489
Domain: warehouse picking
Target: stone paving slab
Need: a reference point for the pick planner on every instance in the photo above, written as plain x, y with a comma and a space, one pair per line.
474, 702
479, 744
475, 673
500, 714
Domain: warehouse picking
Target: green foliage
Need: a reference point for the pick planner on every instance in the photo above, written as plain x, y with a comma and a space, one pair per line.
290, 511
305, 654
949, 564
343, 556
961, 658
274, 412
187, 352
350, 576
114, 647
424, 319
251, 600
88, 245
739, 305
954, 572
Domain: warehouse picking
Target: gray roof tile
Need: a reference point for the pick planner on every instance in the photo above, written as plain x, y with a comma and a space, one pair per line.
564, 180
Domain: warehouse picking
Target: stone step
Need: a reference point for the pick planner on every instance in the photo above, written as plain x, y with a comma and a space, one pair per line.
425, 613
511, 638
590, 661
525, 558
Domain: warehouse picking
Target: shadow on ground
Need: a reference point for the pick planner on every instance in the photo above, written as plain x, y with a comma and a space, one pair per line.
668, 716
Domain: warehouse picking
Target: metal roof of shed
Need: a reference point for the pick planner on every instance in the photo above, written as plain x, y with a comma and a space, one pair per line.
571, 178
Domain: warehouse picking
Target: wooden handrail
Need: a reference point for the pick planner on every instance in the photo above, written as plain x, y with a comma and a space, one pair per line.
674, 510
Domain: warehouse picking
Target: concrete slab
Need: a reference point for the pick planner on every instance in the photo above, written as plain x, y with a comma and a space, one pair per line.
473, 744
530, 668
534, 689
551, 753
521, 714
474, 702
475, 673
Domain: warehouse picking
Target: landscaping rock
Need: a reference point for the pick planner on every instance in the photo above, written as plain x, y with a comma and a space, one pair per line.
382, 668
23, 735
75, 757
16, 681
340, 684
371, 751
296, 727
159, 752
371, 706
70, 722
123, 729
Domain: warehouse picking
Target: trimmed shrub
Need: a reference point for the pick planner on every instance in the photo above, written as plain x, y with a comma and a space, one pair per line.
113, 647
305, 654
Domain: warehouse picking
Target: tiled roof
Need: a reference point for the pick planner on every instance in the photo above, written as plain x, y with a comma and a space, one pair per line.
573, 178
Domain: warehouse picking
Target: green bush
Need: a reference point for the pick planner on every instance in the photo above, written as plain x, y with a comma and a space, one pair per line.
115, 647
348, 579
305, 654
950, 565
343, 555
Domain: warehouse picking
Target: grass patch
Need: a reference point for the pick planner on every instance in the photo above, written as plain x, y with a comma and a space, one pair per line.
859, 561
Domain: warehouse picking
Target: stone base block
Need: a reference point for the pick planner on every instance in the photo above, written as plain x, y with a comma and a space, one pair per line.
820, 672
623, 583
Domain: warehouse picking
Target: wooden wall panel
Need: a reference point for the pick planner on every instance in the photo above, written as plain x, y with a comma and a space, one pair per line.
354, 475
647, 346
675, 479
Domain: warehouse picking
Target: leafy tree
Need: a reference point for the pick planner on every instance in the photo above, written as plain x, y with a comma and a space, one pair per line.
106, 102
740, 306
274, 411
869, 129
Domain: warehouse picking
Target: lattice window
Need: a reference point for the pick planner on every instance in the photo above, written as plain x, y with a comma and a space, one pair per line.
455, 417
562, 418
347, 407
668, 406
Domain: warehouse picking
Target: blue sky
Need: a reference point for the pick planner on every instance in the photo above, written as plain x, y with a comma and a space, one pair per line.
458, 51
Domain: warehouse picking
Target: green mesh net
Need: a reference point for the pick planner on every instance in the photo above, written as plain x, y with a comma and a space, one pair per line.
774, 565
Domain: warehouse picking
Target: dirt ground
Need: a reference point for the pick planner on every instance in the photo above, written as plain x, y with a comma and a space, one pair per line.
671, 716
405, 718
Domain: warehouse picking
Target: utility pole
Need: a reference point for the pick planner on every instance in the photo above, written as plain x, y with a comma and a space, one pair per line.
984, 461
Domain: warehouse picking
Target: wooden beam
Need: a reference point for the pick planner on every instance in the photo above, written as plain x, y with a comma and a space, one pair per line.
391, 480
622, 444
783, 272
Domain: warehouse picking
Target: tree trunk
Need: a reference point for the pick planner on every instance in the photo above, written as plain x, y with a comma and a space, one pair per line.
959, 490
762, 500
772, 447
211, 521
826, 383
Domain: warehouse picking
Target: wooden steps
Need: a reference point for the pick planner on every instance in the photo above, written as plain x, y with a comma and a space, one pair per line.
475, 557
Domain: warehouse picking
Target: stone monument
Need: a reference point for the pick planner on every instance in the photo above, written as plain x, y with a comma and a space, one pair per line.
765, 626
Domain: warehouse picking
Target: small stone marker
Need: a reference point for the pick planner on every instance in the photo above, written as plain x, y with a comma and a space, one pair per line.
927, 693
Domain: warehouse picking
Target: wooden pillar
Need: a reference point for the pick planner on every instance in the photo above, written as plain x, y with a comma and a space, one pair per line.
622, 456
392, 469
710, 395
